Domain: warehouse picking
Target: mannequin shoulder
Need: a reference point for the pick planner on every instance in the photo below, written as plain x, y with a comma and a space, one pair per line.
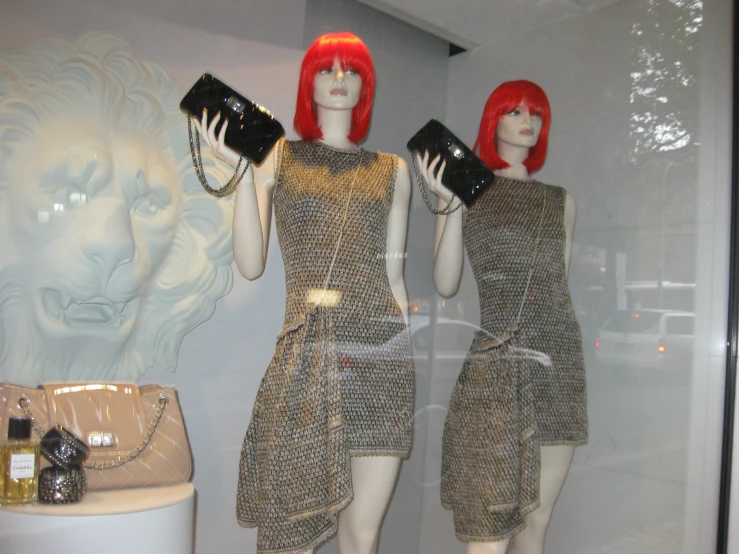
570, 204
401, 166
402, 175
568, 198
570, 211
394, 158
264, 174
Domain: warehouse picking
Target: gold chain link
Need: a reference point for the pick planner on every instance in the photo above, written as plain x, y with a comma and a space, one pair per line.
132, 454
419, 180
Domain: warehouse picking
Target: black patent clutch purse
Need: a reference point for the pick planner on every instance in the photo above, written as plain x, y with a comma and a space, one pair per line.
465, 174
252, 130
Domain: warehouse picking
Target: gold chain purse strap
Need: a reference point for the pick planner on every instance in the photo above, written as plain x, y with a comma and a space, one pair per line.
197, 163
327, 283
514, 327
131, 455
419, 180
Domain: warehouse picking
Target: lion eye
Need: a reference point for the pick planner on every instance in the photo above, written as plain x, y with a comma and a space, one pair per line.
67, 197
150, 199
147, 204
77, 199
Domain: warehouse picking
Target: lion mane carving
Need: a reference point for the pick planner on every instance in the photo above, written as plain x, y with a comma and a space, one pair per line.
110, 249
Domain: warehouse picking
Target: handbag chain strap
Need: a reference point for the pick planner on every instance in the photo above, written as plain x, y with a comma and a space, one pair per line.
514, 327
444, 211
24, 403
534, 255
197, 163
327, 282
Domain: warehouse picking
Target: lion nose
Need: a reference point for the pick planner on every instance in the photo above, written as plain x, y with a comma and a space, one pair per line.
109, 240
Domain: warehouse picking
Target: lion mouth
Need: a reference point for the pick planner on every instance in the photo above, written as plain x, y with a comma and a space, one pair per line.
94, 312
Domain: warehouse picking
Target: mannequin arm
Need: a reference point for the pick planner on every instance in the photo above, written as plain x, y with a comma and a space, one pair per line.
569, 225
448, 243
397, 229
253, 203
448, 252
253, 218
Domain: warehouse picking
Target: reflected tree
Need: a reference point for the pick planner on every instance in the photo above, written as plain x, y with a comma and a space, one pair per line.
664, 93
664, 136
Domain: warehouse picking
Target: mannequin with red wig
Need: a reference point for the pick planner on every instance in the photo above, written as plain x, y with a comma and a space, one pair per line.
512, 141
334, 104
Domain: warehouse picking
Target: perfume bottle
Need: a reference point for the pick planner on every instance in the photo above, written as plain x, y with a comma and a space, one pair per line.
19, 464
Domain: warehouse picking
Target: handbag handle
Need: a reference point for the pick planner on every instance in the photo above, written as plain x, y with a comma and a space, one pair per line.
444, 211
197, 163
131, 455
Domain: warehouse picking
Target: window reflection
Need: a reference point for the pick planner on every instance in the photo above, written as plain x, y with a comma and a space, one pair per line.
634, 287
634, 279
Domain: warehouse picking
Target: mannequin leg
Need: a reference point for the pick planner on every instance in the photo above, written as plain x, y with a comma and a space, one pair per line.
555, 463
373, 481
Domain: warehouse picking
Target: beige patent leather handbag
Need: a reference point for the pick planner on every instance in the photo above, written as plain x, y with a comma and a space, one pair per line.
136, 434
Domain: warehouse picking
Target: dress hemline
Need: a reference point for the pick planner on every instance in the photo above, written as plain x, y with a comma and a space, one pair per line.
324, 536
402, 453
331, 511
563, 442
501, 536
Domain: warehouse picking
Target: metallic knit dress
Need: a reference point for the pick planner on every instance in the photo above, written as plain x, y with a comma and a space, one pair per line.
518, 390
340, 383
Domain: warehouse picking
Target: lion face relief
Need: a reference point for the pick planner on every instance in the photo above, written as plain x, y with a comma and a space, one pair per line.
110, 250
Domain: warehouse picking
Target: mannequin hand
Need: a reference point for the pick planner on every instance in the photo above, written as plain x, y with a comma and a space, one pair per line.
217, 144
433, 181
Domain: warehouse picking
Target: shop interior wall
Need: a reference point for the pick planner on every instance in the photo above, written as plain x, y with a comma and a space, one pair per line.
649, 205
257, 47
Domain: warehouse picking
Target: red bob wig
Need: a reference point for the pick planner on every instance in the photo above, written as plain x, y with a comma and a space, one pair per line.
503, 99
352, 53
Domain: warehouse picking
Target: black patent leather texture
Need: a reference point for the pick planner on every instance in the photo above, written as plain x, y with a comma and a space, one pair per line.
465, 174
252, 131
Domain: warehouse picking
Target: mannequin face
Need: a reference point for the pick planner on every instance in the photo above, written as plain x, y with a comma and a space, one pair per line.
519, 128
337, 88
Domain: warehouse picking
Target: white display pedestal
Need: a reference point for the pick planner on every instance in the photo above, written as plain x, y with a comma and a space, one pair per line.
155, 520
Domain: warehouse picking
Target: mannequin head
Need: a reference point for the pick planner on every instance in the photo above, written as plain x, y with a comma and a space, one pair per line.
353, 55
504, 99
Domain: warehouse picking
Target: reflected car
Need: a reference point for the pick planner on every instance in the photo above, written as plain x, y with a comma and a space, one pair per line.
450, 339
647, 339
442, 345
440, 350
